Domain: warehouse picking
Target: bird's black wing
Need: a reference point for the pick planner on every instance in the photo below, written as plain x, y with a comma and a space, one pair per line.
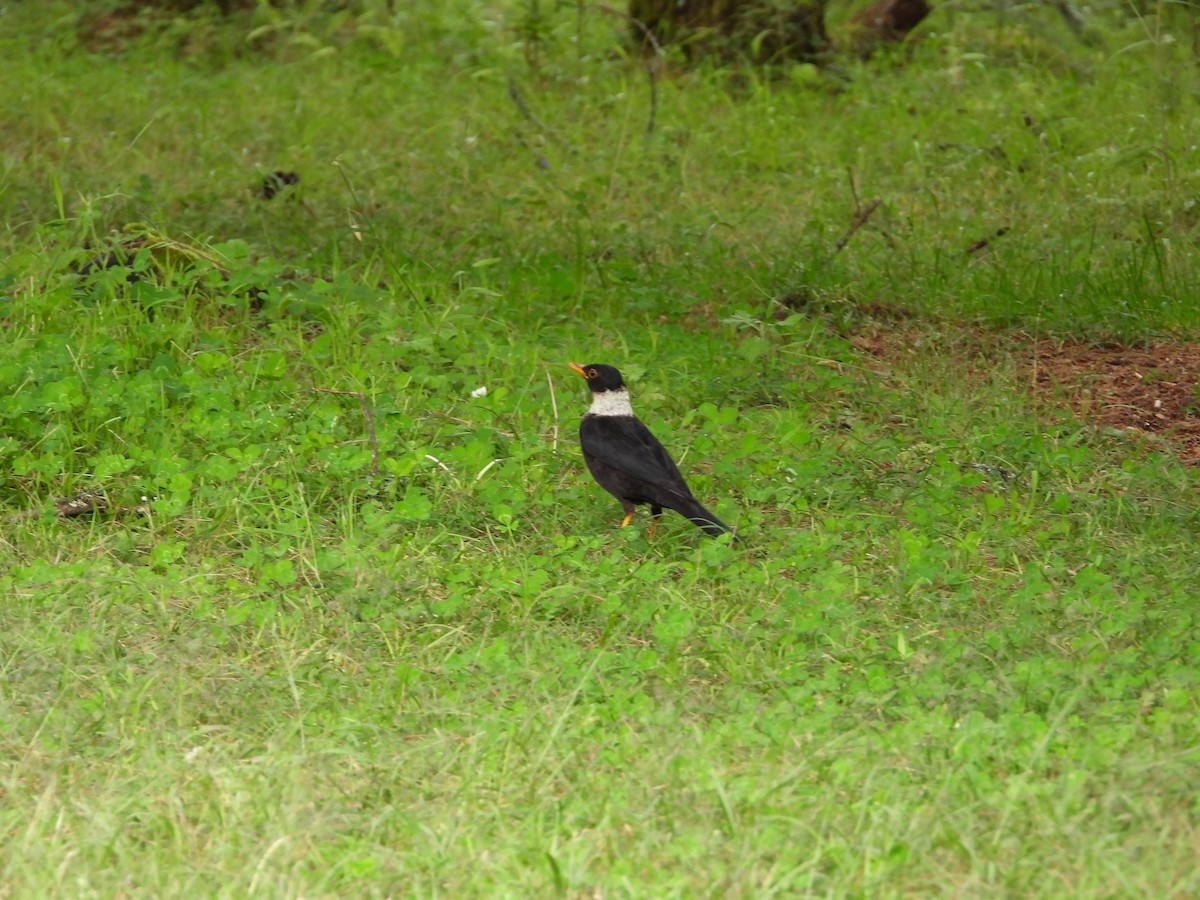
625, 444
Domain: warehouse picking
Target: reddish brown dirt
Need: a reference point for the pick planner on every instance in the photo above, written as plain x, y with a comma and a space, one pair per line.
1149, 388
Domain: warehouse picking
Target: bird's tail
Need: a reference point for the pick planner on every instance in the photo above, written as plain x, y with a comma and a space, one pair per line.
703, 519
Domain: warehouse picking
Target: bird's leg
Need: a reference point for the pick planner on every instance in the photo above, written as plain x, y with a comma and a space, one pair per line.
655, 511
628, 508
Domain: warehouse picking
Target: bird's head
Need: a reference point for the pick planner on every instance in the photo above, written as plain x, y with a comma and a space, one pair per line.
599, 377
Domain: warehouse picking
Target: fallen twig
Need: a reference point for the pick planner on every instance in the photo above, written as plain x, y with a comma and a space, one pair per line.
853, 189
860, 219
651, 66
76, 506
652, 76
518, 100
553, 406
984, 242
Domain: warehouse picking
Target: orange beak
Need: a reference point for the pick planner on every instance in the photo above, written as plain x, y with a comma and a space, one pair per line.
578, 368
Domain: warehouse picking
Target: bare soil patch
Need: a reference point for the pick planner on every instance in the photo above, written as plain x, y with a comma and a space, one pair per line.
1150, 388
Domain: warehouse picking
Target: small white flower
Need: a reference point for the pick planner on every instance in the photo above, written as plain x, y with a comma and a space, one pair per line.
480, 391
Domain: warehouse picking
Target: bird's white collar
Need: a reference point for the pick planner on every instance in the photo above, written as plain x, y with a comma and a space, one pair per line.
611, 403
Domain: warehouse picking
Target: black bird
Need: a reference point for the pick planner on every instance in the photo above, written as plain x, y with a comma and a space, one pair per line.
628, 461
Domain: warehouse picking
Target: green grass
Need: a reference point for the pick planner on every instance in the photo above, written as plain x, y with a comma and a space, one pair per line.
955, 652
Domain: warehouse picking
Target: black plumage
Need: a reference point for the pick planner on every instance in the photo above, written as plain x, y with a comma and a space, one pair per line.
628, 461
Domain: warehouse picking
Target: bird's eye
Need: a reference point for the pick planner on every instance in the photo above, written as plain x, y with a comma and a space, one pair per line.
591, 373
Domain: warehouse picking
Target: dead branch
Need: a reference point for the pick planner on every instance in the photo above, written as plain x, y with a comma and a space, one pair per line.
853, 189
553, 406
652, 76
651, 65
72, 508
518, 100
860, 219
982, 243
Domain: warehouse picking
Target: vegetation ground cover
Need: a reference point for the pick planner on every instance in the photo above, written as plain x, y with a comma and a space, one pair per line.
955, 652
